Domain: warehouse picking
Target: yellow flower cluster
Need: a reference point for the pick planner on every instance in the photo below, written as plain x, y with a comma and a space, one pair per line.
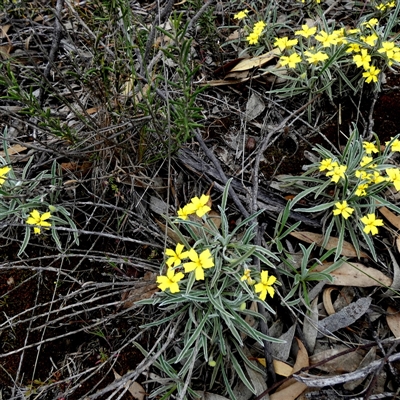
385, 6
360, 43
198, 206
264, 286
367, 175
197, 264
256, 33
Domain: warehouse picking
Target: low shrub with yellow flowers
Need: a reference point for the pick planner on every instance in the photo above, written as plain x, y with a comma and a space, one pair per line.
22, 204
350, 187
208, 282
326, 57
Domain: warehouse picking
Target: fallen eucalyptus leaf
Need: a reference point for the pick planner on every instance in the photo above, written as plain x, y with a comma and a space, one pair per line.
348, 249
254, 107
135, 389
344, 317
393, 321
346, 363
356, 274
310, 325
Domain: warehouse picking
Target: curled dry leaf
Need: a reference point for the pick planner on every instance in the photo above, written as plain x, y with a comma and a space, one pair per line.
348, 249
393, 321
327, 299
256, 62
356, 274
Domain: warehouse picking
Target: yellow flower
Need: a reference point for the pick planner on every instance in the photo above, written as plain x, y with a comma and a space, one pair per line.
343, 209
395, 57
337, 173
370, 39
353, 48
327, 164
253, 38
361, 190
377, 178
3, 172
371, 23
291, 60
265, 285
259, 27
367, 160
370, 147
339, 34
395, 144
285, 43
371, 75
200, 206
315, 58
371, 223
176, 256
306, 31
170, 281
394, 177
38, 220
326, 39
391, 4
363, 175
241, 14
363, 59
183, 213
388, 48
247, 277
199, 263
381, 7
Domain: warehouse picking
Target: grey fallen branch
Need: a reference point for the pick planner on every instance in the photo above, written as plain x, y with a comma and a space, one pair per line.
316, 381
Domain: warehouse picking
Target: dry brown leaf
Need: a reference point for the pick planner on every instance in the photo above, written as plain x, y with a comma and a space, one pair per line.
256, 62
3, 30
345, 317
328, 300
14, 149
170, 233
215, 217
390, 216
5, 51
393, 321
142, 290
135, 389
346, 363
301, 362
289, 393
356, 274
310, 325
280, 367
348, 249
367, 360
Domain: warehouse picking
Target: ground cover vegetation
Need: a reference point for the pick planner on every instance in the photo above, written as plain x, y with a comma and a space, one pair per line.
199, 199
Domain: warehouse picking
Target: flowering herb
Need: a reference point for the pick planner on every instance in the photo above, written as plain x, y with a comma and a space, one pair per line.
39, 220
